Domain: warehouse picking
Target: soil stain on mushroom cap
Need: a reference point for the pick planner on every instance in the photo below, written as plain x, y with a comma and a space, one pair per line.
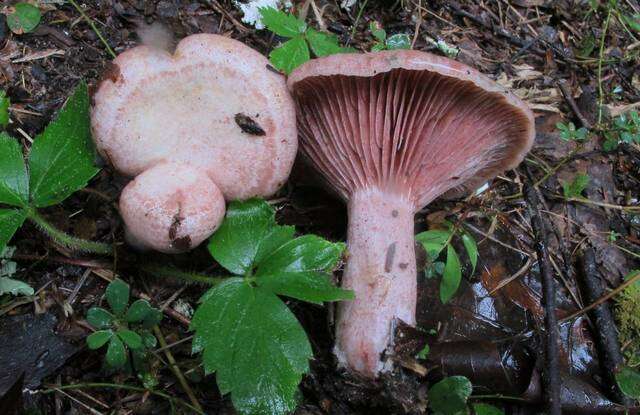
248, 125
182, 243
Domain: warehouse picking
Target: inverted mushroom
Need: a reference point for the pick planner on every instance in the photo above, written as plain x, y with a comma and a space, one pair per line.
212, 106
390, 132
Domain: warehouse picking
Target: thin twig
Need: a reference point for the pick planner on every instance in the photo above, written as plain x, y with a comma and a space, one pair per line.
93, 27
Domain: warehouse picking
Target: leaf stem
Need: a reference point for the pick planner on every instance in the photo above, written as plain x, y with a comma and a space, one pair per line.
64, 239
55, 388
157, 270
94, 28
600, 56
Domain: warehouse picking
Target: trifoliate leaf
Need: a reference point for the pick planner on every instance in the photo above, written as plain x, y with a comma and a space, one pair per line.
4, 109
277, 236
451, 276
23, 18
117, 294
10, 221
116, 353
247, 226
281, 23
14, 181
99, 318
399, 41
138, 311
434, 241
14, 287
130, 338
98, 339
290, 54
323, 44
299, 269
254, 344
628, 380
486, 409
62, 157
472, 250
575, 188
450, 395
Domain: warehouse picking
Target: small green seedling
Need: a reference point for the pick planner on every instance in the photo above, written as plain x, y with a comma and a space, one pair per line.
4, 109
23, 18
397, 41
7, 269
628, 381
247, 335
568, 132
574, 188
295, 51
450, 396
124, 327
437, 241
61, 161
633, 21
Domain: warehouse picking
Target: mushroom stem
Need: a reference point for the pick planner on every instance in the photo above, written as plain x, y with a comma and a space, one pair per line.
381, 269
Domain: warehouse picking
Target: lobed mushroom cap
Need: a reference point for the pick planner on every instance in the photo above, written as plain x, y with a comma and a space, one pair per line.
407, 121
171, 208
213, 105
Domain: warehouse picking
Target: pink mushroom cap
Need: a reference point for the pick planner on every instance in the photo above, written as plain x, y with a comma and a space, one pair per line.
390, 132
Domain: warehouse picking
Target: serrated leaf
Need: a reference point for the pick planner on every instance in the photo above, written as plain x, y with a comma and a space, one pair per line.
451, 276
398, 41
290, 54
4, 109
450, 395
62, 157
98, 339
472, 250
138, 311
10, 221
236, 244
14, 181
23, 18
323, 44
118, 296
281, 23
434, 241
99, 318
255, 345
130, 338
299, 270
486, 409
14, 287
628, 381
575, 188
116, 353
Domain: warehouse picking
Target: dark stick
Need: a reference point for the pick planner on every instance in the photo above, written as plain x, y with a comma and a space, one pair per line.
605, 333
551, 372
572, 104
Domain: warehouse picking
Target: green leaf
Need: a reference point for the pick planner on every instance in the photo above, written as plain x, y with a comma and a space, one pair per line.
290, 54
377, 47
274, 238
99, 318
118, 296
472, 249
299, 270
130, 338
451, 276
236, 244
14, 181
486, 409
378, 32
255, 345
629, 382
4, 109
138, 311
152, 318
450, 395
281, 23
323, 44
399, 41
14, 287
99, 339
148, 339
434, 241
575, 188
116, 353
10, 221
632, 21
422, 354
62, 157
23, 18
